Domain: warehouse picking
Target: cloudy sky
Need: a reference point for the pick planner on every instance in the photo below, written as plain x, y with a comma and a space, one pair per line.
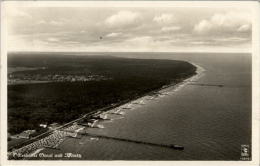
175, 29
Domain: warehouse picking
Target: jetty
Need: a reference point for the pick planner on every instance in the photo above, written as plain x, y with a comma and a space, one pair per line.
199, 84
171, 146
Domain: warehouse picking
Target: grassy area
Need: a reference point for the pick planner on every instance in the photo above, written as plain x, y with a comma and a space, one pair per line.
32, 104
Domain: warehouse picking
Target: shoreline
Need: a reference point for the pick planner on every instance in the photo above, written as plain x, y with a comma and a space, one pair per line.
160, 91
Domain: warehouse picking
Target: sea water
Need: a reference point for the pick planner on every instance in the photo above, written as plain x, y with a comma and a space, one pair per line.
211, 122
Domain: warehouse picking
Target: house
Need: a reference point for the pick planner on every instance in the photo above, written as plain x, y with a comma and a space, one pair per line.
43, 125
53, 126
25, 134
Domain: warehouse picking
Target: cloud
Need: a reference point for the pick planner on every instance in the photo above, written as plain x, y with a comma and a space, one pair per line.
164, 19
140, 40
224, 22
199, 42
16, 13
123, 19
72, 42
53, 22
41, 22
150, 41
231, 39
56, 23
203, 26
140, 43
170, 29
128, 29
218, 41
244, 28
113, 34
52, 39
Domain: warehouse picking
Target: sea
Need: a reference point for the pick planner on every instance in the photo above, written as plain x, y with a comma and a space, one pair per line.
210, 116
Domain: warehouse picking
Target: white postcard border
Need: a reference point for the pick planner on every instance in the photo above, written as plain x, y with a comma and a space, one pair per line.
254, 5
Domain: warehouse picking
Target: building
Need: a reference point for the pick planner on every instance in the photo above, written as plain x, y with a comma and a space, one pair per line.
53, 126
25, 134
43, 125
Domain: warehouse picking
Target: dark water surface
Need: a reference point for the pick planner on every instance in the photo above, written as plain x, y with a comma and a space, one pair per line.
210, 122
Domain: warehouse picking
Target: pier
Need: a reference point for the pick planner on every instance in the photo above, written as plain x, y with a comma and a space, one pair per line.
198, 84
171, 146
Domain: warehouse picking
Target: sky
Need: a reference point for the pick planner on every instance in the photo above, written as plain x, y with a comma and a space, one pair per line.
111, 29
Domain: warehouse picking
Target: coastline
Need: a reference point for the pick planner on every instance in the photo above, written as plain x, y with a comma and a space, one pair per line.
164, 90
